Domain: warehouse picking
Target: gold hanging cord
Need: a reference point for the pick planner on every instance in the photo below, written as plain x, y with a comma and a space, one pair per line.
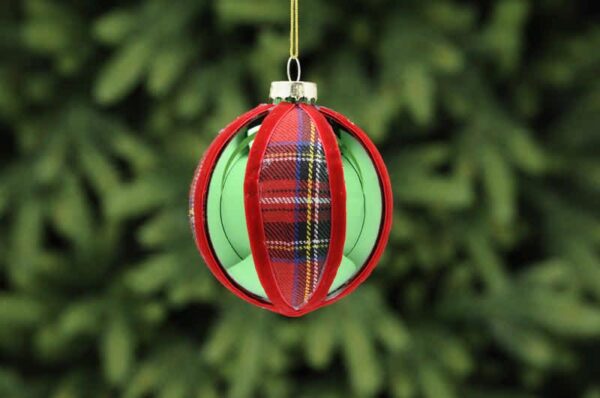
294, 50
294, 42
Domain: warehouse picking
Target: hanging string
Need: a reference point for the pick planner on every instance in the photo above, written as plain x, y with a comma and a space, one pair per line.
294, 42
294, 19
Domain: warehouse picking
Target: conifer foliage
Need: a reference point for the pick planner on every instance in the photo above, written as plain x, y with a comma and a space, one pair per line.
487, 114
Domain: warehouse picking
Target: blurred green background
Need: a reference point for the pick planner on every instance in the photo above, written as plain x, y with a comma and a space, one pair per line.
487, 114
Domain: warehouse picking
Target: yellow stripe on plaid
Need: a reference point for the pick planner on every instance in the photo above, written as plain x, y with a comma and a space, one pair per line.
303, 247
290, 155
309, 246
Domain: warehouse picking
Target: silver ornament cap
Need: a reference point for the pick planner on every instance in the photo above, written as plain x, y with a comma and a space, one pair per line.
295, 90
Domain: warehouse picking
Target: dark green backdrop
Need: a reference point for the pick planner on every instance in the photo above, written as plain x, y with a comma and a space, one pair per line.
488, 116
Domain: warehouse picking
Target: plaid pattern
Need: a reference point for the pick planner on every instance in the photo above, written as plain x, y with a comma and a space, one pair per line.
191, 201
295, 204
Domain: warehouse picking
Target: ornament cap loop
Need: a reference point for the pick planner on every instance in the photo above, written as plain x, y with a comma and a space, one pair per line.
297, 91
298, 69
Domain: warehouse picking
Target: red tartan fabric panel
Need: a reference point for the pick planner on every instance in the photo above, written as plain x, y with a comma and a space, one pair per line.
295, 204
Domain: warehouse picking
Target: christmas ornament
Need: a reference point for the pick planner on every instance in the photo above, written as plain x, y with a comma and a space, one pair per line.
291, 204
